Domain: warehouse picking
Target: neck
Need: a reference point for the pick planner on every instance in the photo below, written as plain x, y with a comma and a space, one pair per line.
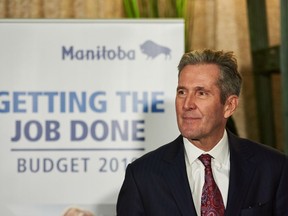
207, 143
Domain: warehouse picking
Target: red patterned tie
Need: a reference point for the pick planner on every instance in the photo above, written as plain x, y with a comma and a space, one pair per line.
211, 199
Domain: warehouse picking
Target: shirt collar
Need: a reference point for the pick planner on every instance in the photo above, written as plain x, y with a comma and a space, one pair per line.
220, 152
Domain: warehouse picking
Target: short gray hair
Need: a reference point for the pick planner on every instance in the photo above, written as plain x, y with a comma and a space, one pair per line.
230, 80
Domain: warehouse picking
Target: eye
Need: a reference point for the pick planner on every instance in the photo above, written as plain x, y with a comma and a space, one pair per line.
202, 93
181, 92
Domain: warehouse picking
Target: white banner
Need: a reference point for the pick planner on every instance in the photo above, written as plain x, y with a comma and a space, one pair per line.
79, 100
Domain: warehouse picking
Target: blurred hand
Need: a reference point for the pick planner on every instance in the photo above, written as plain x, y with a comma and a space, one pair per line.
77, 212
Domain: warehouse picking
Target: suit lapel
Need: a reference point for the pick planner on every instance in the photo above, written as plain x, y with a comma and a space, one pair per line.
176, 177
241, 172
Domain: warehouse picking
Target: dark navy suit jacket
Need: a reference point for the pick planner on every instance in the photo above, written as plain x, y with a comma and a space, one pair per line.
157, 184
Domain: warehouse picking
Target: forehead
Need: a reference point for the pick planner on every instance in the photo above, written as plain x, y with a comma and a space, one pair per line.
205, 73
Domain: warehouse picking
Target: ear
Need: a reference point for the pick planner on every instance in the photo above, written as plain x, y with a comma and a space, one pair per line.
230, 105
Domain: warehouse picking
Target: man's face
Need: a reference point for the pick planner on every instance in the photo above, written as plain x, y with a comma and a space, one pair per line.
200, 114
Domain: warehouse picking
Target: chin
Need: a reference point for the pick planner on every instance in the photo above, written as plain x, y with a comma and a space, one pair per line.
189, 135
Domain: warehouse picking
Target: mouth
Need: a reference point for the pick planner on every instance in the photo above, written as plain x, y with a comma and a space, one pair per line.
191, 120
191, 117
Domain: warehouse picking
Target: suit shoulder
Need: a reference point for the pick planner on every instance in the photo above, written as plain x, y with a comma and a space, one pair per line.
250, 147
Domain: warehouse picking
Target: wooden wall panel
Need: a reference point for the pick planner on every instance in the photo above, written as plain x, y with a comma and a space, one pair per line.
55, 9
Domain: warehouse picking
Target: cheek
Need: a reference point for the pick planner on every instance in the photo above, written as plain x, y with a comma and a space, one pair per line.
178, 112
178, 105
212, 111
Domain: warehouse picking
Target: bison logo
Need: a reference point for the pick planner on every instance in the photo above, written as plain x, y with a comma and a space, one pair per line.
152, 49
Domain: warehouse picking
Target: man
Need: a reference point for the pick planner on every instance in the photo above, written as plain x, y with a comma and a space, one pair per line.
252, 179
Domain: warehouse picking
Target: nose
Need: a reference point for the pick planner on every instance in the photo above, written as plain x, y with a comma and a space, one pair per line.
189, 103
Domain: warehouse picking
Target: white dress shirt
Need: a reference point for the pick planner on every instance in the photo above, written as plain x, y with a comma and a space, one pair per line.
220, 168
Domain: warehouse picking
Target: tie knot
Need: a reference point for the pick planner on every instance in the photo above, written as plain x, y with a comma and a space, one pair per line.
205, 159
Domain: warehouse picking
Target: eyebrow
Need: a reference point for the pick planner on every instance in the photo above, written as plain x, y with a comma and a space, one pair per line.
201, 88
196, 88
180, 87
